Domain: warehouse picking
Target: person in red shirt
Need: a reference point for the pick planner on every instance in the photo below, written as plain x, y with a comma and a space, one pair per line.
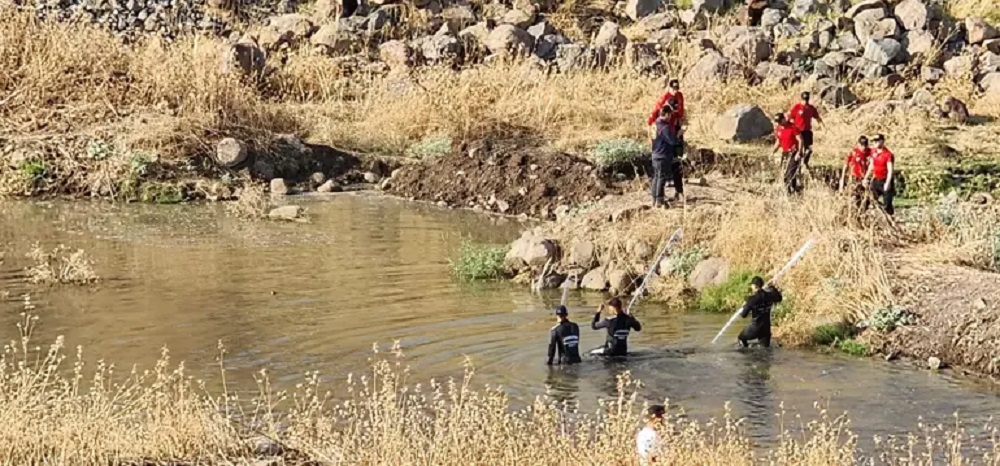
673, 92
857, 164
789, 141
880, 170
803, 113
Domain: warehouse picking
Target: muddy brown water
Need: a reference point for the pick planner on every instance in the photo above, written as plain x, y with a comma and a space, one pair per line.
369, 269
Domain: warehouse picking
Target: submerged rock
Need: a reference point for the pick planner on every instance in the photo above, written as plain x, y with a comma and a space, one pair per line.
287, 212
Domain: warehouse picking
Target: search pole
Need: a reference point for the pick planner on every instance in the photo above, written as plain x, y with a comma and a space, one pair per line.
674, 238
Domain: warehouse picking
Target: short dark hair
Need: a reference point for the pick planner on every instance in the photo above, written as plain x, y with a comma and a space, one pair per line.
863, 140
779, 117
615, 303
666, 109
879, 138
657, 411
805, 96
757, 281
674, 83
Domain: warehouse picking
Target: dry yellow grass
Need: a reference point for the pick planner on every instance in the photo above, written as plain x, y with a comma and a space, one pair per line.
58, 411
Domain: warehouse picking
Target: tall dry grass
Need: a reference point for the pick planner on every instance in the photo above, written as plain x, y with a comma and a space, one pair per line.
57, 410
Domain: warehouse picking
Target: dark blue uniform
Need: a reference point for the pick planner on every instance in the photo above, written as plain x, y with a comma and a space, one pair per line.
565, 340
619, 328
758, 307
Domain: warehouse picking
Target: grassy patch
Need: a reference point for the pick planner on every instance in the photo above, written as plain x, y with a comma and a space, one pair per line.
430, 147
727, 296
829, 334
887, 319
783, 310
683, 262
612, 152
479, 262
162, 193
853, 347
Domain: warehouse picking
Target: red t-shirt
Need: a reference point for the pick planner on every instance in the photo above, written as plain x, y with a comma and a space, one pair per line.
858, 161
880, 163
786, 136
803, 115
663, 101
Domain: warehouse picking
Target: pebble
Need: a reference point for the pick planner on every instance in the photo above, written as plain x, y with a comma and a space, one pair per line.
934, 363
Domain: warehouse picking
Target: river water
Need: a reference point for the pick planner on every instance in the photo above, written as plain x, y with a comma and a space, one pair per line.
302, 297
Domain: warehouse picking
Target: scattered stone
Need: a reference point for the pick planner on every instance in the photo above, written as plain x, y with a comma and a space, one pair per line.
610, 36
710, 67
658, 22
502, 206
978, 31
371, 177
529, 251
864, 5
848, 42
396, 53
772, 17
440, 47
230, 153
708, 6
638, 9
285, 212
620, 282
989, 62
521, 17
458, 17
540, 30
885, 52
960, 66
866, 22
640, 249
837, 95
335, 39
931, 75
916, 15
920, 43
954, 109
711, 271
770, 71
328, 187
264, 446
245, 58
582, 254
508, 39
279, 187
594, 280
746, 44
979, 304
743, 123
934, 363
990, 83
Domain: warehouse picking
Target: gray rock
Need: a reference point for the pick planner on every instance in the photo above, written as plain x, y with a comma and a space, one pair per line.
441, 47
521, 17
838, 95
747, 46
920, 44
317, 179
693, 18
710, 67
529, 251
848, 42
610, 36
395, 53
836, 59
546, 46
335, 39
743, 123
458, 17
620, 282
887, 28
658, 22
265, 446
582, 254
292, 28
960, 66
934, 363
981, 198
885, 52
285, 212
594, 280
478, 33
638, 9
708, 6
916, 15
663, 37
989, 62
931, 75
279, 187
571, 57
990, 83
327, 187
865, 5
640, 249
542, 29
385, 17
978, 31
371, 177
711, 271
772, 17
803, 8
992, 45
244, 58
865, 23
769, 71
230, 153
507, 39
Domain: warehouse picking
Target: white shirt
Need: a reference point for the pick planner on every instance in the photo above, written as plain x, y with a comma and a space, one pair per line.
645, 442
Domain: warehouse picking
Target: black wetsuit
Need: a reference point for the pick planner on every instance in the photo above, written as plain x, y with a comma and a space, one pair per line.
619, 328
758, 306
566, 339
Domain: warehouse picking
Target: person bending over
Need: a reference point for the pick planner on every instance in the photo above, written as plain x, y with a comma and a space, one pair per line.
758, 307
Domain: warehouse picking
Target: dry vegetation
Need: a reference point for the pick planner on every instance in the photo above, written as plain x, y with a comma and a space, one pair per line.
56, 410
62, 265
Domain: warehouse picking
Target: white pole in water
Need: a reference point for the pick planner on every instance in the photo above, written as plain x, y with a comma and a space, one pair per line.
562, 302
795, 260
652, 267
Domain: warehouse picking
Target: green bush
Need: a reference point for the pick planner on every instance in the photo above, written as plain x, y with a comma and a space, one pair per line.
430, 147
34, 169
782, 310
727, 296
479, 262
162, 193
853, 347
614, 151
683, 262
829, 334
887, 319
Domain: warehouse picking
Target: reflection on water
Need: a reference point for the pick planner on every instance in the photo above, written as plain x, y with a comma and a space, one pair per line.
298, 297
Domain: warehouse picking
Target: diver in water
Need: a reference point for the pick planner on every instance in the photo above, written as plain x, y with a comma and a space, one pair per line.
565, 339
758, 306
618, 328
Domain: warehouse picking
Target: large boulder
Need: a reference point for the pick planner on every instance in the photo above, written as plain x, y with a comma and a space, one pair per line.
977, 31
885, 52
530, 251
638, 9
990, 83
440, 47
509, 39
595, 280
610, 36
919, 44
711, 271
917, 15
621, 282
748, 46
960, 66
712, 66
743, 123
336, 39
230, 153
866, 22
396, 53
582, 254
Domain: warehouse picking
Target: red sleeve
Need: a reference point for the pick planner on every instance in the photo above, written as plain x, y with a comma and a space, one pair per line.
680, 103
792, 111
656, 111
814, 111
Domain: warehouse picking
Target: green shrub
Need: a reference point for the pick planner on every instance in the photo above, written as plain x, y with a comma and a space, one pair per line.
782, 310
829, 334
614, 151
161, 193
887, 319
34, 170
727, 296
478, 262
683, 262
430, 147
853, 347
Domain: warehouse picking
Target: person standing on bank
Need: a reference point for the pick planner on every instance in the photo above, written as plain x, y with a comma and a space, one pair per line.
664, 154
564, 339
789, 141
857, 164
880, 171
802, 114
618, 328
758, 307
647, 442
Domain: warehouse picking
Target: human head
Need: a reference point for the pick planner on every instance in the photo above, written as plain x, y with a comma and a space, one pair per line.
879, 140
779, 118
805, 97
561, 312
674, 85
616, 304
655, 413
756, 283
863, 141
666, 110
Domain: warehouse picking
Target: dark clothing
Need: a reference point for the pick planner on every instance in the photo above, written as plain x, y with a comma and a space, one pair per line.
878, 189
677, 174
349, 7
667, 148
663, 169
807, 144
755, 15
665, 144
619, 328
793, 182
758, 308
565, 341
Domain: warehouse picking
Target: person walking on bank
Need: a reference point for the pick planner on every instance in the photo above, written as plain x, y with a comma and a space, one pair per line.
880, 171
857, 164
618, 328
564, 339
789, 141
664, 154
758, 307
802, 114
647, 441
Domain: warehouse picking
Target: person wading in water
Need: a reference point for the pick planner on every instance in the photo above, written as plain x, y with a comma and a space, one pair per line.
758, 306
618, 328
564, 340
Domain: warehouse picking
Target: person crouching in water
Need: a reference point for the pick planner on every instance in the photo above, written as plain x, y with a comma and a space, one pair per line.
666, 140
565, 339
758, 306
618, 328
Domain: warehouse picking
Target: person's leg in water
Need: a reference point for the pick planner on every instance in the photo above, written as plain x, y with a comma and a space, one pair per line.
746, 335
659, 180
765, 338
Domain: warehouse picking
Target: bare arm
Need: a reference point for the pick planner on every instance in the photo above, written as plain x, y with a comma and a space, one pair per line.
843, 176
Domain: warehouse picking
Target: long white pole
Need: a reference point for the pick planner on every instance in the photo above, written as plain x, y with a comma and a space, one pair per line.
795, 260
652, 267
